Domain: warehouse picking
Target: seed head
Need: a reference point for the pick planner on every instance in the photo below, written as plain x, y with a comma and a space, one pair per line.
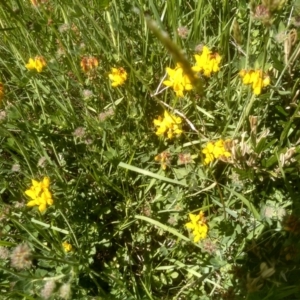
20, 258
4, 253
183, 32
65, 291
79, 132
48, 289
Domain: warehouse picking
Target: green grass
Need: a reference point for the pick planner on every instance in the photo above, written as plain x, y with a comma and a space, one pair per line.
112, 201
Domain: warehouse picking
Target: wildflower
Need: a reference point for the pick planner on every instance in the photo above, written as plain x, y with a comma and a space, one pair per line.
64, 27
207, 62
183, 32
106, 114
209, 247
40, 194
269, 212
15, 168
42, 161
178, 80
21, 257
198, 226
88, 64
118, 76
215, 150
79, 132
184, 158
1, 91
199, 48
163, 158
169, 124
2, 115
87, 94
256, 78
48, 289
38, 63
67, 246
262, 13
4, 253
65, 291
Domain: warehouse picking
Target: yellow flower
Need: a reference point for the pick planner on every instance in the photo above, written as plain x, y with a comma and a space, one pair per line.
198, 226
178, 80
38, 63
67, 246
118, 76
207, 62
215, 150
39, 194
256, 78
170, 124
88, 64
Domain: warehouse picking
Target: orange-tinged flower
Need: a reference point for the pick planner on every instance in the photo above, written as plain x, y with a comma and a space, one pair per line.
38, 63
198, 226
207, 63
117, 76
163, 158
88, 64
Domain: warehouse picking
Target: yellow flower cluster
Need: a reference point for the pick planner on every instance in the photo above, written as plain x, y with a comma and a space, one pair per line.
170, 124
256, 78
215, 150
198, 226
38, 63
67, 246
207, 62
117, 76
178, 80
88, 64
40, 194
163, 158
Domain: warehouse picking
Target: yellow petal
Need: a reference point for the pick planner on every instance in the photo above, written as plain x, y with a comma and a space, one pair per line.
42, 207
32, 203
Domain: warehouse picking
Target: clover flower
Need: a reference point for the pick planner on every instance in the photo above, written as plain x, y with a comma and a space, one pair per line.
178, 80
118, 76
256, 78
89, 63
65, 291
48, 289
163, 158
169, 124
215, 150
21, 257
207, 62
198, 226
38, 63
40, 194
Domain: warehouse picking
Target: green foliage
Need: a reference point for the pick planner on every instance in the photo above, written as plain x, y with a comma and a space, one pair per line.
121, 208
